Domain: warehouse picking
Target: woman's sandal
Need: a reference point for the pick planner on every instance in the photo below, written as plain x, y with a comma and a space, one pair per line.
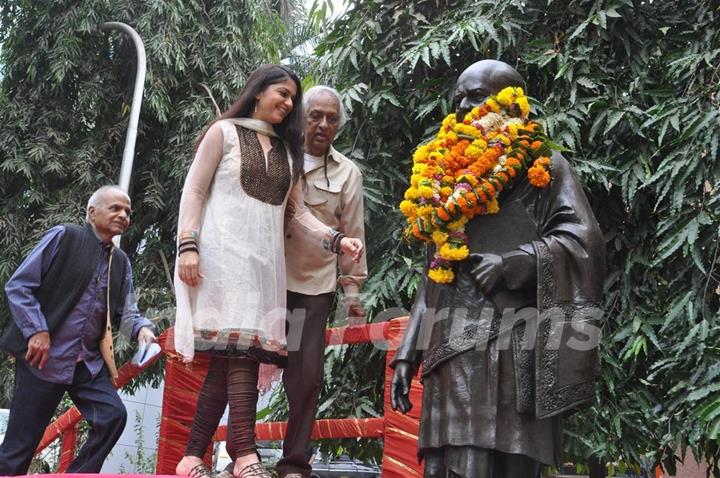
256, 470
201, 471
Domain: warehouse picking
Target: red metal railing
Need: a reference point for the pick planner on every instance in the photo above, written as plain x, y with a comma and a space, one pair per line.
399, 432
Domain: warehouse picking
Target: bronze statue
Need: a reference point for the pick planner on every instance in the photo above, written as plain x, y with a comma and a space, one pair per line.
510, 345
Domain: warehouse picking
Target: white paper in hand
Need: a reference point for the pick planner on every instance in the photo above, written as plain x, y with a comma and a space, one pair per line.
145, 353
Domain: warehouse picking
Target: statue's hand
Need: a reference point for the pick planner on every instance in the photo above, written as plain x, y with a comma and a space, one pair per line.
400, 387
488, 271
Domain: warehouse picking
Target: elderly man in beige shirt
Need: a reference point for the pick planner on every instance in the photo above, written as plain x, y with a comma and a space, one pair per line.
333, 192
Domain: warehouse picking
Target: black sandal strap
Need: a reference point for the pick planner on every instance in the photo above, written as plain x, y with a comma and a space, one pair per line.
200, 471
256, 470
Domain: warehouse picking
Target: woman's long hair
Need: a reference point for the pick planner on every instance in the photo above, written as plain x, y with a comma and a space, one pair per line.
290, 130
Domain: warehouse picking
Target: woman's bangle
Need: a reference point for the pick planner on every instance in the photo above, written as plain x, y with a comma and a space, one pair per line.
189, 236
187, 249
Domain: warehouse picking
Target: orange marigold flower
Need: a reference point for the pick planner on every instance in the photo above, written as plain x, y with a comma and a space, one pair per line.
496, 184
443, 214
416, 230
543, 161
512, 162
538, 176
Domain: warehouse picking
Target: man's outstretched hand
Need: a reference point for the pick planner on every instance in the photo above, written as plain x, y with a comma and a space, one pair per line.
400, 388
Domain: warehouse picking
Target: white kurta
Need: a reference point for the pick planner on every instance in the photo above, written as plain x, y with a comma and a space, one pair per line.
241, 298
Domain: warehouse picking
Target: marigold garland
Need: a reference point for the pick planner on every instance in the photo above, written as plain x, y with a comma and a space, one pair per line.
461, 173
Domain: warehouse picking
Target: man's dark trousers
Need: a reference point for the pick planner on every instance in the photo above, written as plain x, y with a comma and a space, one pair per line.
33, 405
303, 378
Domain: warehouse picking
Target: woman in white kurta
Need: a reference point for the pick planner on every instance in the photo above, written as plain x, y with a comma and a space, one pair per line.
230, 270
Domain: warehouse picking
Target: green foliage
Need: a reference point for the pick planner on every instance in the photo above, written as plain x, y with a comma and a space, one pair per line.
632, 89
66, 92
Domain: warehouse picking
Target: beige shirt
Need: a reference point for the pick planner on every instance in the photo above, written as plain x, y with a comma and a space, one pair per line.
337, 200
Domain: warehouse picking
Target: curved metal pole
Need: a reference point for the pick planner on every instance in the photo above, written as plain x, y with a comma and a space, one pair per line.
129, 152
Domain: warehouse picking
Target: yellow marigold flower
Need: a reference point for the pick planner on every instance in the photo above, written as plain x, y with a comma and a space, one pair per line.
452, 253
506, 96
451, 136
439, 237
446, 191
419, 168
524, 106
493, 207
421, 154
425, 192
408, 208
458, 225
424, 211
411, 193
449, 120
467, 178
480, 144
441, 275
467, 130
504, 139
473, 152
494, 106
513, 131
435, 156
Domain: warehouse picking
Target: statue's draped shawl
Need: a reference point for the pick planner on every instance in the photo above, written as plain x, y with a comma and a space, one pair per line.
570, 257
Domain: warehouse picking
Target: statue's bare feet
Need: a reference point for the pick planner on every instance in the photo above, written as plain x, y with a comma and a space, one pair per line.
189, 466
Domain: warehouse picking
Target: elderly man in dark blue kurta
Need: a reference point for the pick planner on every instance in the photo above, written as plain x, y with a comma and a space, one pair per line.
63, 298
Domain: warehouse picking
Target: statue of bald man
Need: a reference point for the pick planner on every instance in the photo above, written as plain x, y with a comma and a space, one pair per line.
511, 345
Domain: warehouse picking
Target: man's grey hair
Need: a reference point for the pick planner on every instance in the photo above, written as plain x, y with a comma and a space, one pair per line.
319, 90
97, 198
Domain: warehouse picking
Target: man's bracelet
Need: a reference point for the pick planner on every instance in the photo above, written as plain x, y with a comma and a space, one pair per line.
336, 242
